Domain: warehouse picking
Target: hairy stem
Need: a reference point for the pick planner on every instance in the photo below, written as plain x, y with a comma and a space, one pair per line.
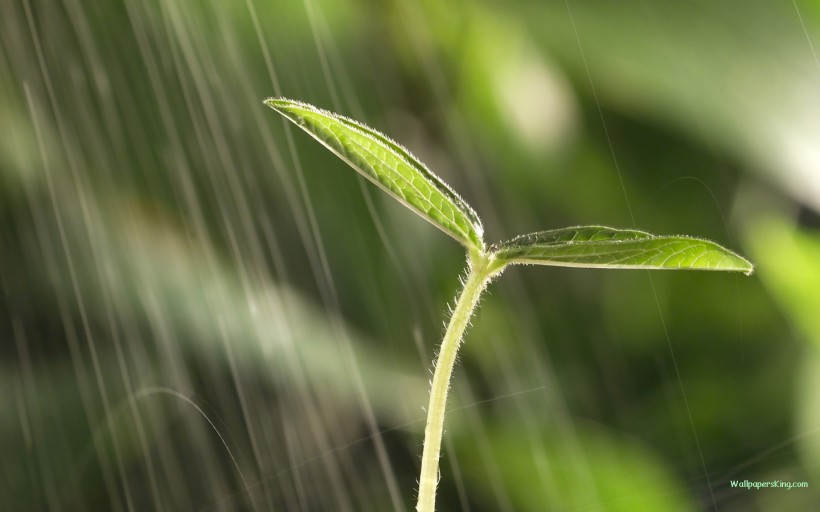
479, 275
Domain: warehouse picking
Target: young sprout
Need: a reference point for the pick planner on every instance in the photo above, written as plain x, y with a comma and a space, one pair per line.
396, 171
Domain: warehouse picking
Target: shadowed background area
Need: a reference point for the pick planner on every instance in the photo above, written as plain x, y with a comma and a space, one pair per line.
203, 309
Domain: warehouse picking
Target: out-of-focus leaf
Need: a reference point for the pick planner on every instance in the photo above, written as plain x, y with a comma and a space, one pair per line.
739, 76
390, 166
602, 247
512, 95
569, 469
789, 259
142, 264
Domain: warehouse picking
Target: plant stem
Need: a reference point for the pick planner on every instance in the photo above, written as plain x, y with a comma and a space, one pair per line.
479, 275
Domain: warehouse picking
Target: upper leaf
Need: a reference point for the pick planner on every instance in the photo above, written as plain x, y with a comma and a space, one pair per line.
388, 165
602, 247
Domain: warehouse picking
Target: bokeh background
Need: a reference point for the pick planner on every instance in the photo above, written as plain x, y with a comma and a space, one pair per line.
202, 309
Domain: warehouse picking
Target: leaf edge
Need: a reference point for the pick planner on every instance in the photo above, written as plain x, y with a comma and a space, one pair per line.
459, 203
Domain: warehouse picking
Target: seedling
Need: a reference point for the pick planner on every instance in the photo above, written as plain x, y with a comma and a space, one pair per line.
393, 169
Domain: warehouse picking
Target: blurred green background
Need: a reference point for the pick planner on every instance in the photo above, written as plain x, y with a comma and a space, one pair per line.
203, 309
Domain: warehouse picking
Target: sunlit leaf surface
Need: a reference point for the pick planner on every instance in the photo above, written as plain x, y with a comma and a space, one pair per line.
388, 165
599, 246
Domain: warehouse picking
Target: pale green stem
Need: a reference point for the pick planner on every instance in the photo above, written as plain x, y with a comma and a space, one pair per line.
480, 274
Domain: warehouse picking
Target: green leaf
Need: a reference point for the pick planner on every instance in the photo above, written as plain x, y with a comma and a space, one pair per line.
602, 247
390, 166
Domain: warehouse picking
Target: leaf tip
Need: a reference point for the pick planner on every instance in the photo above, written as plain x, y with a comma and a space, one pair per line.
278, 103
738, 264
